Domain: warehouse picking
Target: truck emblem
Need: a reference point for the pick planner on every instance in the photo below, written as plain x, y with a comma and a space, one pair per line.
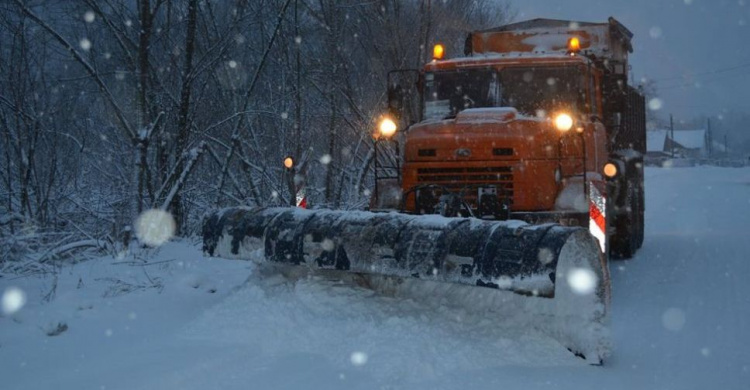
463, 152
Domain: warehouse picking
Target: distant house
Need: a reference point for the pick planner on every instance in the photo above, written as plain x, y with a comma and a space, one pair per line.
686, 143
656, 141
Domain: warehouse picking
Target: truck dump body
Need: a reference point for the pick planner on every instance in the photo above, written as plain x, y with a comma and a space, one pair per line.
609, 40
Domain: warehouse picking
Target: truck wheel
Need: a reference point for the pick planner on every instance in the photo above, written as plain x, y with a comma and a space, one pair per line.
625, 238
641, 216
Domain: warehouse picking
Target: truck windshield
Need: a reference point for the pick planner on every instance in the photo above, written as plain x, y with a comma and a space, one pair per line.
447, 93
527, 89
530, 90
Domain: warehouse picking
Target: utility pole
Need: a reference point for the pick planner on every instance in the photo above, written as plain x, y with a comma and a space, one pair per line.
710, 139
726, 147
671, 136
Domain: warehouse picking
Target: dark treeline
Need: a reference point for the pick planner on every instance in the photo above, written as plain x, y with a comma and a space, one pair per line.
112, 107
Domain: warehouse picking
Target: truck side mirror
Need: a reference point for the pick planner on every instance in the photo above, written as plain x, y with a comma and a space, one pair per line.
396, 100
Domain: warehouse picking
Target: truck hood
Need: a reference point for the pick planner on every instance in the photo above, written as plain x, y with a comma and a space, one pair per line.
482, 134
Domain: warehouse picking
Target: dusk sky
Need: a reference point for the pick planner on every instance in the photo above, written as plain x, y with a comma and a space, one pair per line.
697, 50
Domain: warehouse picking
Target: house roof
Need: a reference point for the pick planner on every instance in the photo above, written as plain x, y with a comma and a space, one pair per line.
655, 140
689, 139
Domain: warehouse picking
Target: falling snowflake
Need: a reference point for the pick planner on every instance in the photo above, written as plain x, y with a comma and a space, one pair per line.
504, 282
89, 17
327, 245
655, 104
358, 358
155, 227
85, 44
673, 319
545, 256
13, 300
655, 32
232, 64
325, 159
582, 281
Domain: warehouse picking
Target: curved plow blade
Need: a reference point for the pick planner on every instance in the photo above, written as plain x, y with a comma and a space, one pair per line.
538, 261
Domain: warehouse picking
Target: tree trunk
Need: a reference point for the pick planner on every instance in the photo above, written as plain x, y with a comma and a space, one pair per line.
183, 124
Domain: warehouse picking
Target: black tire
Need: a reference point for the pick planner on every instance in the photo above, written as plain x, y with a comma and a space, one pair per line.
626, 224
641, 215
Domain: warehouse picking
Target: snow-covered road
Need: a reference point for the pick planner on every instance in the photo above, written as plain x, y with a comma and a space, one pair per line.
680, 314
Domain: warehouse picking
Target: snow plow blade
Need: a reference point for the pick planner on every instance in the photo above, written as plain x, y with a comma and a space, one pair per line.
560, 268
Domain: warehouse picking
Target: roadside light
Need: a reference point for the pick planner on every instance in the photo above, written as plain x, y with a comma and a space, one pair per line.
610, 170
438, 52
563, 122
387, 127
288, 162
574, 45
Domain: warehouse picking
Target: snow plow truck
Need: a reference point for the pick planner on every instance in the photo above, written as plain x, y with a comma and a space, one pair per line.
518, 169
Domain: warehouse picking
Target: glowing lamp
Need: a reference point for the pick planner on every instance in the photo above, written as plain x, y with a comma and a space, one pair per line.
574, 45
610, 170
289, 163
438, 52
387, 127
563, 122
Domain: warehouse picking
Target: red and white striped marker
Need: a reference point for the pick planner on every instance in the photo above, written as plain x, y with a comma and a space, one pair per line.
301, 199
598, 213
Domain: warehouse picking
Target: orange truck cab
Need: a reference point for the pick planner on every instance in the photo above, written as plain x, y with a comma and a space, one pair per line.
535, 122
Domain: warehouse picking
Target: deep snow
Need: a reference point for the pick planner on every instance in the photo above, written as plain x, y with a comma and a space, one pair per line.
679, 318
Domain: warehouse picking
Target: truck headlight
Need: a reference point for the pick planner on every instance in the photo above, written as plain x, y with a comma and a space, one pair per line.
387, 127
563, 122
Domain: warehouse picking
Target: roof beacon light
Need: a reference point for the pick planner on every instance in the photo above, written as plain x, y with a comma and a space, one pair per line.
574, 45
438, 52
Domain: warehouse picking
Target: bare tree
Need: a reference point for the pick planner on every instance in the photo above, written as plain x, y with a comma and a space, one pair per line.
111, 107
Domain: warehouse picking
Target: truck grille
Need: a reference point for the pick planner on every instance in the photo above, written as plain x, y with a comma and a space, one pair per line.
455, 179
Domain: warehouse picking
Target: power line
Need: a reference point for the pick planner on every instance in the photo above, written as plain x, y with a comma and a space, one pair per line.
694, 83
711, 72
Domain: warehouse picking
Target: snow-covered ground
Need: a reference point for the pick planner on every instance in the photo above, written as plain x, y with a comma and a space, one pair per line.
681, 311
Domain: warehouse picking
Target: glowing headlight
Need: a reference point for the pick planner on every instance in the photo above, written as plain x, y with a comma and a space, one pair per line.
387, 128
563, 122
610, 170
